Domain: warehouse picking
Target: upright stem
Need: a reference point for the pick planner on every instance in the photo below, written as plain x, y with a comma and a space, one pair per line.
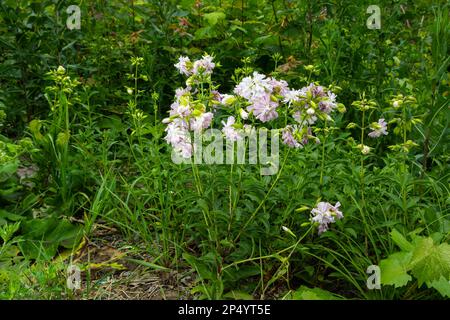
265, 198
361, 177
361, 173
231, 199
323, 154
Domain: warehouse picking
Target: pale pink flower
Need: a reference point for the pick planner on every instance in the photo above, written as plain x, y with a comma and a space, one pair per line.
176, 109
227, 99
179, 138
204, 65
324, 214
264, 109
378, 129
229, 131
183, 65
280, 87
254, 87
288, 137
179, 92
201, 122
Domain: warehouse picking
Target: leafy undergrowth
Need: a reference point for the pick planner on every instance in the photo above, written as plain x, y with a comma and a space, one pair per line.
109, 268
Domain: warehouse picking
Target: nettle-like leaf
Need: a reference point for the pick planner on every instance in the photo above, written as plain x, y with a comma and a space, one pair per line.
430, 261
442, 286
427, 261
214, 17
394, 269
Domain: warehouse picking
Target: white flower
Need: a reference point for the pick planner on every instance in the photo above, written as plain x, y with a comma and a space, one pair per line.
310, 111
228, 99
378, 128
301, 119
254, 87
183, 65
201, 122
324, 214
203, 66
243, 114
364, 149
288, 138
229, 131
292, 95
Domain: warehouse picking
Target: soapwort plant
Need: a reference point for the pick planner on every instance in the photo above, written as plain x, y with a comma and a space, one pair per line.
257, 102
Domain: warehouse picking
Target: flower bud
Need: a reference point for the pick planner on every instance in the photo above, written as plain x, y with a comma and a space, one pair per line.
61, 70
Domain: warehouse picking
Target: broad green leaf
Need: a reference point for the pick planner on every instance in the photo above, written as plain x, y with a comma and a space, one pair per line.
202, 269
305, 293
430, 261
442, 286
214, 17
394, 269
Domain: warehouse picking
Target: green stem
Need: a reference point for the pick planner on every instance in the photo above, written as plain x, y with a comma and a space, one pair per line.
273, 255
265, 197
322, 167
231, 200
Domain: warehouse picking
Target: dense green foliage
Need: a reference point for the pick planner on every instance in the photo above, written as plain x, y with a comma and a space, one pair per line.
81, 143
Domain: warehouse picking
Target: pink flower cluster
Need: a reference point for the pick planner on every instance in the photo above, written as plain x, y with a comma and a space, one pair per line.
261, 94
255, 97
203, 66
186, 115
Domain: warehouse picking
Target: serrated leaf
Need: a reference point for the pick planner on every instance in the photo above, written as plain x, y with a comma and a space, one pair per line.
394, 269
442, 286
429, 261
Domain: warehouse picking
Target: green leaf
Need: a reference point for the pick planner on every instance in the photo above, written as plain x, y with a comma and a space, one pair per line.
148, 264
429, 261
394, 269
237, 295
442, 286
214, 17
305, 293
10, 216
65, 234
9, 168
202, 269
401, 241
